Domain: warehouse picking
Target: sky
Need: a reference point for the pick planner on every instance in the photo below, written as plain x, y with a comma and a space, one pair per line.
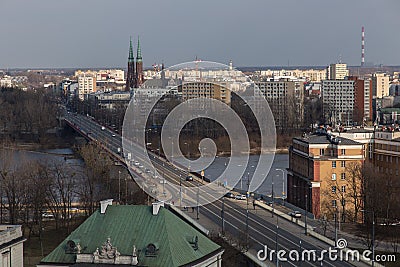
95, 33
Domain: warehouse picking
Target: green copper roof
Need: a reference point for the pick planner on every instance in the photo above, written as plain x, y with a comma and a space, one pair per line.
130, 58
139, 51
127, 226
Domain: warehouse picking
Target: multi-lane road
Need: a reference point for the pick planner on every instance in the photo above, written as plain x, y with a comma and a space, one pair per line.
261, 228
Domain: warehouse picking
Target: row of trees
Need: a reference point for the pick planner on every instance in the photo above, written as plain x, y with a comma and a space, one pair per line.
27, 113
30, 189
364, 188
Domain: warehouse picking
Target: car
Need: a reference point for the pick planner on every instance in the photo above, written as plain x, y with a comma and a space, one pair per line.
189, 178
240, 197
113, 135
229, 195
103, 128
147, 170
47, 215
137, 163
295, 214
141, 166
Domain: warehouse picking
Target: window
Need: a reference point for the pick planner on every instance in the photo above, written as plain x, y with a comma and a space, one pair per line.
333, 189
334, 203
322, 152
343, 164
343, 176
343, 202
333, 164
343, 189
333, 176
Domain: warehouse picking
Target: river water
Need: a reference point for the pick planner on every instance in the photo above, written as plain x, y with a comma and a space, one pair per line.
66, 156
17, 158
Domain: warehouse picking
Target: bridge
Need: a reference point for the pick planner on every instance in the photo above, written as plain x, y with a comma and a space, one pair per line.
230, 216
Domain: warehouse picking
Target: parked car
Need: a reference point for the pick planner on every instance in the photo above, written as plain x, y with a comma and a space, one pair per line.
230, 195
240, 197
103, 128
189, 178
295, 214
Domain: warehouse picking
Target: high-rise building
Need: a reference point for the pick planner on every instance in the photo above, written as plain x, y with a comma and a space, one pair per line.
86, 84
362, 100
337, 71
286, 100
139, 66
338, 101
380, 85
130, 76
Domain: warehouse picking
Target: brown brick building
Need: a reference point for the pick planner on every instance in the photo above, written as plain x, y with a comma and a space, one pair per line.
318, 167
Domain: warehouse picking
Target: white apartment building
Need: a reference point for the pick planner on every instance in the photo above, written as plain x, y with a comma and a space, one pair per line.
337, 71
309, 74
380, 85
11, 246
113, 74
6, 81
86, 85
338, 98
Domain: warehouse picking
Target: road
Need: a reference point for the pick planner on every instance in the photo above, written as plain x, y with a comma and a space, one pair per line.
262, 228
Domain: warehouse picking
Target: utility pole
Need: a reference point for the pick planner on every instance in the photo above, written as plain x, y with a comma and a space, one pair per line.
222, 216
276, 241
119, 187
305, 213
273, 196
335, 217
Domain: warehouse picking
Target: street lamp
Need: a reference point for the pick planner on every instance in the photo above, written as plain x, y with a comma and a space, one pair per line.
283, 186
272, 197
306, 210
373, 233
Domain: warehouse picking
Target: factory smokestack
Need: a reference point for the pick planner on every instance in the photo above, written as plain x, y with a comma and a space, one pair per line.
362, 47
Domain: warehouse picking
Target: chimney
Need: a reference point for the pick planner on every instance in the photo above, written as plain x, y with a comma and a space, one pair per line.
104, 204
157, 206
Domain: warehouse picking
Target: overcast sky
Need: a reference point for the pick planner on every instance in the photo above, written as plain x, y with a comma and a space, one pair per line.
95, 33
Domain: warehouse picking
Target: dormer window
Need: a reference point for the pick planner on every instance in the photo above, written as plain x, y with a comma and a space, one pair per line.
151, 250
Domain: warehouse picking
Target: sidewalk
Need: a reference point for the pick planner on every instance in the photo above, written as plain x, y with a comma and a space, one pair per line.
353, 241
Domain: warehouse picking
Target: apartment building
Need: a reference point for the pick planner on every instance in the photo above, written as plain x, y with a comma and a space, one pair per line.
337, 71
386, 152
217, 91
86, 84
338, 98
286, 100
319, 167
380, 85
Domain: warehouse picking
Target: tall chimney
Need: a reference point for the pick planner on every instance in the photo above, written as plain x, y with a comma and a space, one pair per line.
104, 204
362, 47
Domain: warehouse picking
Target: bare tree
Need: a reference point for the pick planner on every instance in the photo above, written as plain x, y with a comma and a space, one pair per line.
97, 171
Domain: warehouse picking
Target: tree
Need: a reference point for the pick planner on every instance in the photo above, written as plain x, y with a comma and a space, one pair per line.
96, 172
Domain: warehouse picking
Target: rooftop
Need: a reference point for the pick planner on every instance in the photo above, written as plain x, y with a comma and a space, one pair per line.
134, 228
320, 138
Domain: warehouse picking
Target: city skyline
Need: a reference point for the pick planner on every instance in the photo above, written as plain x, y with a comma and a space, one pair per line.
93, 34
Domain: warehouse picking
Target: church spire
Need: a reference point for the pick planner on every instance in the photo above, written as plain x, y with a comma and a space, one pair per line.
130, 58
139, 51
130, 77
